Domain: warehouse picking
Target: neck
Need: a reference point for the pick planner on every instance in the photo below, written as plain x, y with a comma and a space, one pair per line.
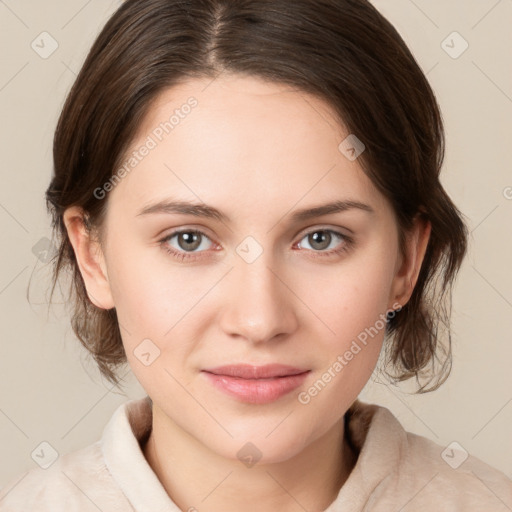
195, 477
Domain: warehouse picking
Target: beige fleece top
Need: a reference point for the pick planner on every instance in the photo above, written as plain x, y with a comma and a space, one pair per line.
395, 471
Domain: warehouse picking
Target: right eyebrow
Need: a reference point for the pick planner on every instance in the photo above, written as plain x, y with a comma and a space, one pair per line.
185, 208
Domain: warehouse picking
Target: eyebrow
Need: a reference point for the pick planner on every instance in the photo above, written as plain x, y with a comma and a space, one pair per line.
203, 210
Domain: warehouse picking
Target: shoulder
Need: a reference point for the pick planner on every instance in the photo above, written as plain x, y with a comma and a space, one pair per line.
455, 475
420, 474
77, 481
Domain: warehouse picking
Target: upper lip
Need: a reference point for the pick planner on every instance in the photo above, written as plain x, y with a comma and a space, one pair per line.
248, 371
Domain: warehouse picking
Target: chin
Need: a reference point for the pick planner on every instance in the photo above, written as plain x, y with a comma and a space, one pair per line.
253, 446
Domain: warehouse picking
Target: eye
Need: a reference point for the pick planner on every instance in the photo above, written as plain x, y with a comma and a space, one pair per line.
321, 239
188, 244
186, 241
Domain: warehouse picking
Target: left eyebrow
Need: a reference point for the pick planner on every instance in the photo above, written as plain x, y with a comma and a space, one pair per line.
203, 210
326, 209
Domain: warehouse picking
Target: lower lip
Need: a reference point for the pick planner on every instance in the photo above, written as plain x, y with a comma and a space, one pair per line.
257, 391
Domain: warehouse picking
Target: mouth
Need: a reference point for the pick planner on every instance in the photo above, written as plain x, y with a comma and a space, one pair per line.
256, 384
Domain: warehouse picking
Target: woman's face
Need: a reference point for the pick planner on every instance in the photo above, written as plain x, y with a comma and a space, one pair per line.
258, 284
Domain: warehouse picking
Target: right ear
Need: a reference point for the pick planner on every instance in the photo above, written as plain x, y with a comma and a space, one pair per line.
89, 257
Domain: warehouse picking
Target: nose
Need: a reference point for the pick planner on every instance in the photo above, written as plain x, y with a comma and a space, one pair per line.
259, 306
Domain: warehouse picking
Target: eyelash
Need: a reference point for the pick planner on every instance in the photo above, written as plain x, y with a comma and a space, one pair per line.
346, 245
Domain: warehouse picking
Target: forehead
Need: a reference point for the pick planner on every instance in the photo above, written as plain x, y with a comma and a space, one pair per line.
238, 139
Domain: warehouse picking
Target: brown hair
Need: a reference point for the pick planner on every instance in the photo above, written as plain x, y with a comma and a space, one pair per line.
342, 51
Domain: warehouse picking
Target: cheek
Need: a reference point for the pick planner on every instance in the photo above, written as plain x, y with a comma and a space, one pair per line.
141, 290
158, 300
353, 306
353, 296
150, 304
352, 302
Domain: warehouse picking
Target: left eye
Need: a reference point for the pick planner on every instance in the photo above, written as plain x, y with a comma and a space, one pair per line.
322, 238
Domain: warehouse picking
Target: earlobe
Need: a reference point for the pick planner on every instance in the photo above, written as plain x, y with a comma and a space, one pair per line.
410, 263
89, 257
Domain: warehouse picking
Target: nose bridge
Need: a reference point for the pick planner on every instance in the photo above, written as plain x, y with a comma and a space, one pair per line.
258, 306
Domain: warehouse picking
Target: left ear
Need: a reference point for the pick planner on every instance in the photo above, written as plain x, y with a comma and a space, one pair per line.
409, 264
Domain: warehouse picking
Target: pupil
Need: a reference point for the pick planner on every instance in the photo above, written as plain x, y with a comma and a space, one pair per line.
189, 240
321, 237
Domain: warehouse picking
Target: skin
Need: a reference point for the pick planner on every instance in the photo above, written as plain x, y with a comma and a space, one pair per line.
257, 151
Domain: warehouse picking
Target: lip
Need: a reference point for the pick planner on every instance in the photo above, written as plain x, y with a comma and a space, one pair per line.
256, 384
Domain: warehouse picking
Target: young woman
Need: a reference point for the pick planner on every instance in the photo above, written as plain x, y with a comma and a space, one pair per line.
247, 195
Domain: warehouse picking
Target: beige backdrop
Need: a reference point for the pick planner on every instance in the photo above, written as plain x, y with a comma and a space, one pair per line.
50, 392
